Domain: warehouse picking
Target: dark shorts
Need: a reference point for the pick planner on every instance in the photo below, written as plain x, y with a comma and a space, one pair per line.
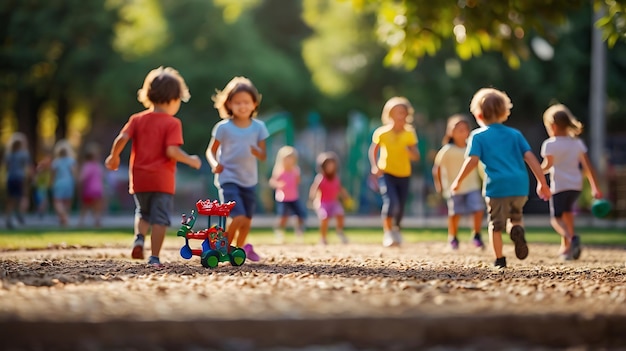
244, 197
285, 208
154, 208
15, 187
563, 202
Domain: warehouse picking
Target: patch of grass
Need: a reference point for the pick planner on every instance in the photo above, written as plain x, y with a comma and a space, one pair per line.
41, 239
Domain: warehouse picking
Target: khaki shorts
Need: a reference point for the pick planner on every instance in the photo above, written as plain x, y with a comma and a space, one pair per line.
501, 209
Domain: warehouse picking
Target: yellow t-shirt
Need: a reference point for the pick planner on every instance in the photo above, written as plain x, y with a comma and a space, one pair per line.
450, 159
394, 154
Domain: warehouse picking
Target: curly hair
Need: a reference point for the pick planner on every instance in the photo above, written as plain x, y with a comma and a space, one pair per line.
236, 85
493, 104
161, 86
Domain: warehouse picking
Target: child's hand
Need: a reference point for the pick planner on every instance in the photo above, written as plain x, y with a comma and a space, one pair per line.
543, 191
256, 152
195, 162
597, 193
376, 171
112, 163
455, 186
218, 168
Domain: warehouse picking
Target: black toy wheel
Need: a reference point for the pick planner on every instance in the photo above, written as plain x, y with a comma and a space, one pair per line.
237, 257
210, 259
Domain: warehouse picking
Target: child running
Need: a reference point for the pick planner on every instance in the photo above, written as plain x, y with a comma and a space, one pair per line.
91, 180
63, 180
503, 151
18, 170
394, 146
286, 179
468, 200
156, 140
325, 194
563, 154
237, 142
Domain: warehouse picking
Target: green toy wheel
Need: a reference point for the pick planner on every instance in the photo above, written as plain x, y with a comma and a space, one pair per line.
237, 257
210, 259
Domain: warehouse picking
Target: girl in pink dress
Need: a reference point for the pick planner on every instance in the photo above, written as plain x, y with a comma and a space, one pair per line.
91, 187
326, 193
286, 179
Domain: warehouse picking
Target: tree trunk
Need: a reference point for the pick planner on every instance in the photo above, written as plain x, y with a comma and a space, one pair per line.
27, 113
62, 112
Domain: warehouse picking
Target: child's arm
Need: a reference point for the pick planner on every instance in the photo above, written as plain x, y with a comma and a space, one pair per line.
414, 153
315, 187
590, 173
373, 157
112, 162
547, 163
543, 190
259, 151
211, 156
469, 165
176, 153
437, 178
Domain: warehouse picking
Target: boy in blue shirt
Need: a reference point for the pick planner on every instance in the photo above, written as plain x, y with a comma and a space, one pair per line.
503, 151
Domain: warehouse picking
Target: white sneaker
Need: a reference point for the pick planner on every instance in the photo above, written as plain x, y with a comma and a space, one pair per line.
279, 236
397, 236
342, 237
388, 239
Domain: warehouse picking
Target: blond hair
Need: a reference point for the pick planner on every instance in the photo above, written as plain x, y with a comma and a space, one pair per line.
63, 148
494, 105
561, 116
236, 85
161, 86
453, 121
393, 102
281, 155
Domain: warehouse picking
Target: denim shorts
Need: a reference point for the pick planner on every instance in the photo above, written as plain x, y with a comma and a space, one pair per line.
154, 207
463, 204
563, 202
285, 208
244, 197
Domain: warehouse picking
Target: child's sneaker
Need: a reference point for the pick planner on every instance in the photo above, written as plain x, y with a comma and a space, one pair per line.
299, 236
388, 239
154, 261
396, 235
478, 241
342, 237
250, 254
517, 236
279, 235
137, 252
323, 242
500, 262
454, 243
575, 248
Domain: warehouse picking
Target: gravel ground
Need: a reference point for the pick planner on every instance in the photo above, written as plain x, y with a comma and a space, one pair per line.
352, 297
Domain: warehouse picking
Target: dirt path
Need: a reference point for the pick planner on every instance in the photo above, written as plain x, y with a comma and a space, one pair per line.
362, 295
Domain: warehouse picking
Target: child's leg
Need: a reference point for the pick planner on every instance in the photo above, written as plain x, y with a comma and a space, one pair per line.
234, 227
59, 207
97, 211
324, 230
156, 238
244, 229
496, 242
497, 223
516, 230
453, 225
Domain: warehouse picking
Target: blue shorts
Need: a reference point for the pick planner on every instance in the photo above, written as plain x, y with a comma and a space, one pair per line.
244, 197
563, 202
63, 190
464, 204
285, 208
15, 188
153, 207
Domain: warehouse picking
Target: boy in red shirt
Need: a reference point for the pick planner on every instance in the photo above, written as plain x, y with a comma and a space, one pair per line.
157, 137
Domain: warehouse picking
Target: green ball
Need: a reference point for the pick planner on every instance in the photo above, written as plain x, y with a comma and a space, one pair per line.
601, 208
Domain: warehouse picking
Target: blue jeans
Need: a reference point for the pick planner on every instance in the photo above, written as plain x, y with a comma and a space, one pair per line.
395, 192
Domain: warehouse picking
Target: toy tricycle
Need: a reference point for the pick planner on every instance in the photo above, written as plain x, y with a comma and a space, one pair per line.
215, 246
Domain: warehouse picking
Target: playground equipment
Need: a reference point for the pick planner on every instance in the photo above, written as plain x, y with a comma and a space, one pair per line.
215, 247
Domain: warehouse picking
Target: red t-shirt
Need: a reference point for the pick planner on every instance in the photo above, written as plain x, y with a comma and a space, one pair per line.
150, 168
